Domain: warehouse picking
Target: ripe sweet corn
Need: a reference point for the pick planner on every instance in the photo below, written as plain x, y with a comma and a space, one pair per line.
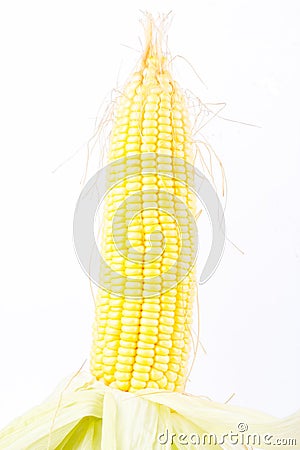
144, 341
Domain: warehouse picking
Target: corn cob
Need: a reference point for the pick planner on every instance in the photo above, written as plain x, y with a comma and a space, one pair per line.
141, 334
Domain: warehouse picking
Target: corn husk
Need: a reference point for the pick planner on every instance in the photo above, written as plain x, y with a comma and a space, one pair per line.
84, 414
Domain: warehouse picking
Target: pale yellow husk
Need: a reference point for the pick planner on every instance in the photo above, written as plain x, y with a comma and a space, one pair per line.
85, 414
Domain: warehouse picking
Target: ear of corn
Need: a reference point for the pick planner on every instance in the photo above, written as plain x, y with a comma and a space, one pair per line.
142, 335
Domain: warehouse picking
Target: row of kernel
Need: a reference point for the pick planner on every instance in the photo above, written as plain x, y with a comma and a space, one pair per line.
128, 342
147, 339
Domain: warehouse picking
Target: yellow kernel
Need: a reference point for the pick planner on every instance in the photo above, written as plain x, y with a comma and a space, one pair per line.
134, 131
164, 337
177, 339
148, 147
141, 368
134, 115
136, 107
109, 360
164, 151
170, 386
129, 337
144, 361
164, 121
153, 98
173, 367
151, 272
133, 272
122, 385
175, 351
175, 360
178, 137
150, 314
161, 350
119, 137
140, 376
162, 359
149, 322
133, 186
165, 78
143, 352
149, 339
164, 112
163, 367
149, 139
151, 307
108, 379
155, 374
132, 147
164, 144
133, 139
134, 306
129, 321
114, 323
109, 352
165, 329
98, 374
126, 359
151, 107
162, 382
150, 221
137, 384
165, 128
148, 330
151, 115
125, 346
113, 344
180, 379
165, 104
172, 376
147, 345
122, 376
150, 132
179, 388
149, 123
123, 367
130, 314
166, 343
122, 121
152, 385
165, 136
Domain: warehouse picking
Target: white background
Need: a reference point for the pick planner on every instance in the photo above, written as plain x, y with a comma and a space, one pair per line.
59, 60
